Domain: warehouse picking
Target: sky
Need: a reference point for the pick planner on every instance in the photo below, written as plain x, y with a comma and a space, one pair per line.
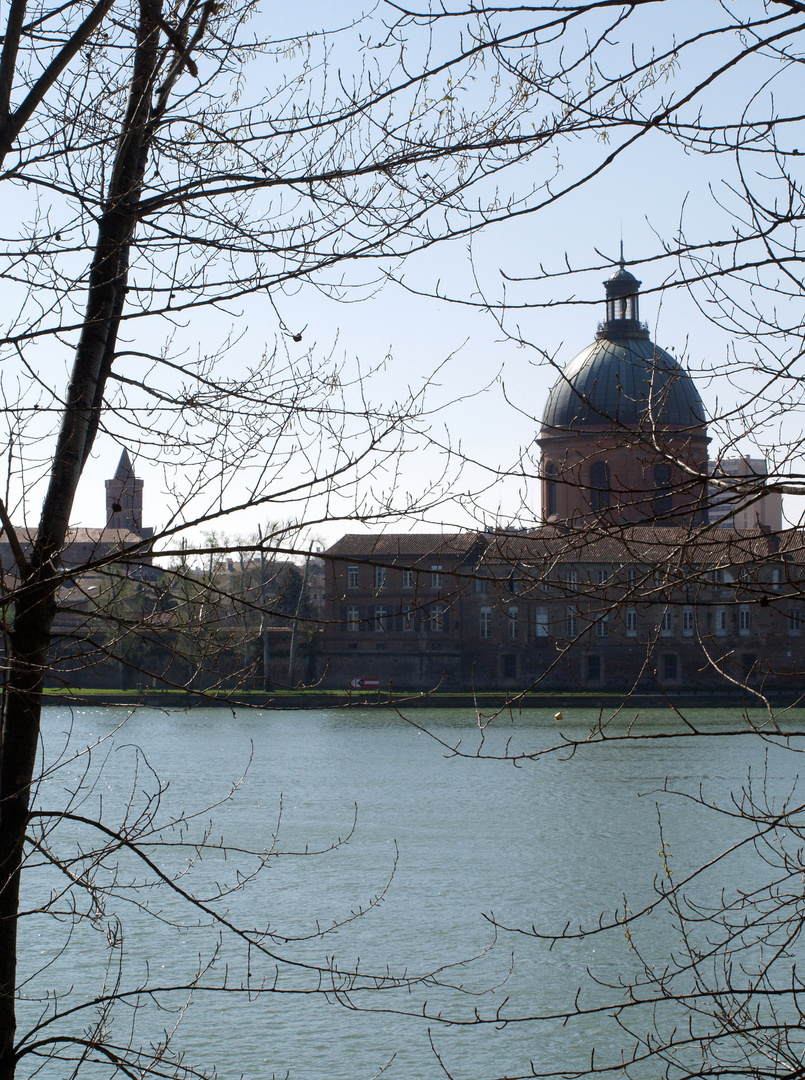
487, 375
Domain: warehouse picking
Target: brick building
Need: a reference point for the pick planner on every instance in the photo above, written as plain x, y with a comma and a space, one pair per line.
96, 600
626, 583
123, 528
640, 606
393, 607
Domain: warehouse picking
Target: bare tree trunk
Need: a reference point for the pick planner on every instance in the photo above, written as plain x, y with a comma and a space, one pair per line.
35, 607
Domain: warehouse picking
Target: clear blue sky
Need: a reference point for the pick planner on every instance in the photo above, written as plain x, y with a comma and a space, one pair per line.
489, 390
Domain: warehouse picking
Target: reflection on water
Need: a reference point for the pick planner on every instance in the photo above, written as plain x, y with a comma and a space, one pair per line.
443, 844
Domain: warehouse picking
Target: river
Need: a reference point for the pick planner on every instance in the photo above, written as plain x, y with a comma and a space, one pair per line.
440, 844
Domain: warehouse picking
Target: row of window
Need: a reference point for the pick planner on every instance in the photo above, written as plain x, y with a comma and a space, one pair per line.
574, 623
668, 666
600, 488
409, 578
382, 620
668, 669
436, 619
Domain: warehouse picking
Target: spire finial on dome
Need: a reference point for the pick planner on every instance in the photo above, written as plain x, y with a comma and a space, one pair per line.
622, 260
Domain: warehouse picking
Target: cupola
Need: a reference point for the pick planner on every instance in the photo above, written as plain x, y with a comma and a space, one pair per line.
622, 305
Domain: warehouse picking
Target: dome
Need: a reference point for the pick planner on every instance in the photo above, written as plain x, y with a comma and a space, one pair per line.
628, 382
623, 378
622, 277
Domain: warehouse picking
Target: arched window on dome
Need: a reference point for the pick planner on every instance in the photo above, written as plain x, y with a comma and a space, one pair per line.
663, 499
550, 490
599, 486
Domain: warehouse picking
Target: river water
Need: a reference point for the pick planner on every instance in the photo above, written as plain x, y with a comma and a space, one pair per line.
442, 846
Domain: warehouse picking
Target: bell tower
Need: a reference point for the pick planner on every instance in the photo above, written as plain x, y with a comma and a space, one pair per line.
124, 499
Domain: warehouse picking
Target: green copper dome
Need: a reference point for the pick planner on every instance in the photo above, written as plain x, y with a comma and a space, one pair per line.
623, 378
627, 382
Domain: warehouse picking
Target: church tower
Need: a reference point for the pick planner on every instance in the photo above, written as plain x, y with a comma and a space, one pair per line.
624, 436
124, 499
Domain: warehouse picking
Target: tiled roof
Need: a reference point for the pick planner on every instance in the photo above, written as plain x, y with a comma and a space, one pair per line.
710, 545
123, 537
410, 545
81, 545
658, 546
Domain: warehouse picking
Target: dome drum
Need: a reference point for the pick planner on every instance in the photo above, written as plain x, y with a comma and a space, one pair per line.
616, 480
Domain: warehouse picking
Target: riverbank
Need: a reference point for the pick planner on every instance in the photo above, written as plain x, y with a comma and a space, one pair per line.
345, 699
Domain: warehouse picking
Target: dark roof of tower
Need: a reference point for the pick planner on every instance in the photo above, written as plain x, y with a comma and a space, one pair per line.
622, 276
623, 379
124, 467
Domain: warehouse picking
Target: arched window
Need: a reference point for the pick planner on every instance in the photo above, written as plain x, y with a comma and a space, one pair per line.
599, 486
550, 490
663, 500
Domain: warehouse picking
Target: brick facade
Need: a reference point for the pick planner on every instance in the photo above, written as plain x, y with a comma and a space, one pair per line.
647, 607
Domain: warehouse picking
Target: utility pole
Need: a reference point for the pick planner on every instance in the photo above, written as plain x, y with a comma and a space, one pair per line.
294, 627
264, 615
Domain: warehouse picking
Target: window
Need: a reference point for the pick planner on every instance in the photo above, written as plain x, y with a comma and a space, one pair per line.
435, 577
380, 624
353, 576
509, 667
663, 499
513, 583
603, 577
550, 490
718, 579
631, 578
353, 619
670, 668
380, 578
571, 580
744, 620
794, 623
631, 622
437, 619
667, 626
541, 622
602, 627
480, 586
776, 578
407, 617
572, 622
486, 622
688, 622
511, 632
599, 486
408, 579
593, 668
721, 621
